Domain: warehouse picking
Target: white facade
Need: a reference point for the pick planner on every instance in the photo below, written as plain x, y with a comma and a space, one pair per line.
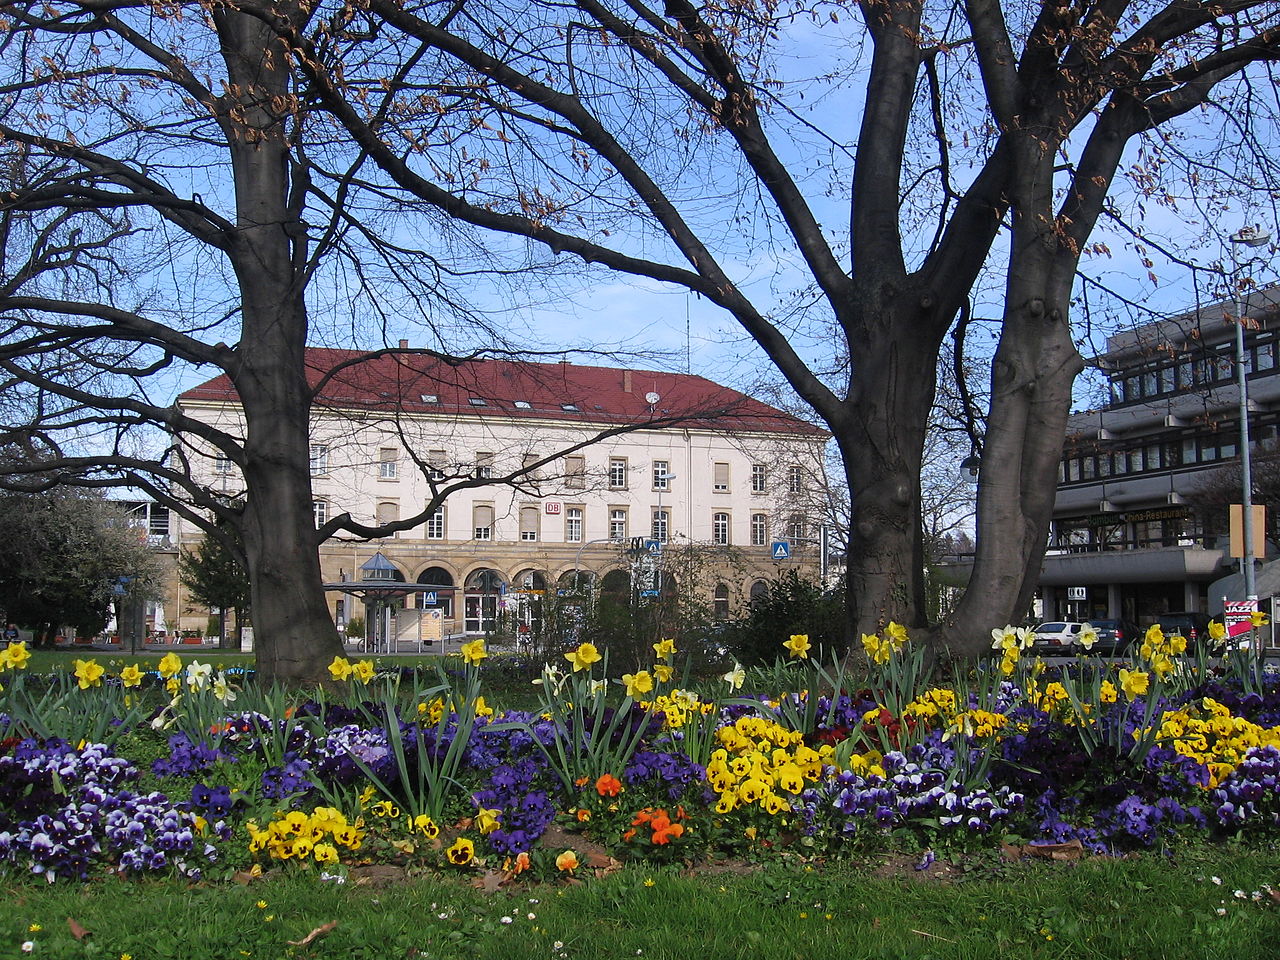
732, 492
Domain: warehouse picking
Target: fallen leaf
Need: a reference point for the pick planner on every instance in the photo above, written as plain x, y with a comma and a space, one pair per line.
1071, 850
1011, 851
490, 880
315, 934
245, 877
77, 931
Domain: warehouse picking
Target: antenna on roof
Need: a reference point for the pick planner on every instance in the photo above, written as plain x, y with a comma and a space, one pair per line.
651, 399
688, 340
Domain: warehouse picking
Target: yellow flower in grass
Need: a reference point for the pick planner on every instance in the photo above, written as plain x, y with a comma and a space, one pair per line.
583, 656
637, 683
88, 673
363, 670
461, 853
1134, 683
473, 652
325, 853
131, 676
16, 655
340, 669
798, 645
170, 665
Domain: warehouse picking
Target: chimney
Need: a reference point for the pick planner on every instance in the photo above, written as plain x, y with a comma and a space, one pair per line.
626, 381
404, 344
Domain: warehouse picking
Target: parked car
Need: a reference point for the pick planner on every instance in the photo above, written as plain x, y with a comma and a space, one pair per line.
1114, 636
1191, 624
1057, 636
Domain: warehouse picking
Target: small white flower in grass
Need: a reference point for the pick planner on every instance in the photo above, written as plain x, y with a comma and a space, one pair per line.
28, 946
507, 920
532, 915
1240, 895
558, 945
1216, 880
1221, 911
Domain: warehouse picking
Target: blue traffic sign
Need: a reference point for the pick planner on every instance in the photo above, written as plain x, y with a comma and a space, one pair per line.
653, 546
430, 597
780, 550
648, 593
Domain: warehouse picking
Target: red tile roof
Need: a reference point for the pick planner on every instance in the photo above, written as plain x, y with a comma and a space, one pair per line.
417, 382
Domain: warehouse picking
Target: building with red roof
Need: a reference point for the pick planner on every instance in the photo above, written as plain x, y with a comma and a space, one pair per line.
560, 475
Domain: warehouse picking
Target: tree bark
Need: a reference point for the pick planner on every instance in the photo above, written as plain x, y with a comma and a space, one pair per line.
268, 254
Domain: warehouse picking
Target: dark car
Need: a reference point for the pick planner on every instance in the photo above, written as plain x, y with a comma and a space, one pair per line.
1191, 624
1114, 636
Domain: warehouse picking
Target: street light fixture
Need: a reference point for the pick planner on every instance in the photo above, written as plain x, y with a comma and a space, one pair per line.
1251, 237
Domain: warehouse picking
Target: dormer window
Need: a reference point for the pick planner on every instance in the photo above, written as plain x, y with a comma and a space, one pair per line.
569, 407
477, 401
523, 405
430, 398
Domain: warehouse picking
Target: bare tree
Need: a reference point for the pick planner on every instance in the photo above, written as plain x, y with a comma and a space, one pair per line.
667, 143
172, 209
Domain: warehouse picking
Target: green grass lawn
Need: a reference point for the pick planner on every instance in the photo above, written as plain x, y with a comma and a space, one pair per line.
1153, 906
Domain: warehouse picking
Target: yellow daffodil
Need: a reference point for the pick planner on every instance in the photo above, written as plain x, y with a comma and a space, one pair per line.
131, 676
735, 677
663, 672
583, 656
16, 654
473, 652
1259, 618
88, 673
363, 670
637, 683
896, 634
798, 645
169, 665
1154, 635
488, 820
1217, 631
1134, 683
664, 649
340, 669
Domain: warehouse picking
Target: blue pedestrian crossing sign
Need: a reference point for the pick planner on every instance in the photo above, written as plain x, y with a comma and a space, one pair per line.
653, 546
430, 597
780, 550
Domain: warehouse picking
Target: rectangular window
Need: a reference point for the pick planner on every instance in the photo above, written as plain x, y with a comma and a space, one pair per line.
319, 459
435, 464
617, 473
661, 475
573, 525
526, 464
795, 479
320, 510
796, 529
759, 529
482, 521
388, 463
435, 525
660, 526
720, 478
388, 512
575, 472
617, 523
759, 478
222, 465
720, 529
484, 465
528, 523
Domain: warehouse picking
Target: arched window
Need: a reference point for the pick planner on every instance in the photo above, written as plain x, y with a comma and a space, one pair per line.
720, 601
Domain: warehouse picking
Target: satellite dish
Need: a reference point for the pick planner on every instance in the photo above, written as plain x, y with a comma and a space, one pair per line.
651, 398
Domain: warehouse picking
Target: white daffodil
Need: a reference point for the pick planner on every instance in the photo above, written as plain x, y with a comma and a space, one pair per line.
222, 689
198, 675
735, 677
1088, 636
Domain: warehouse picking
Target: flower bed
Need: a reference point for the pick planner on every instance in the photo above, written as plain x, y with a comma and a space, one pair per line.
193, 771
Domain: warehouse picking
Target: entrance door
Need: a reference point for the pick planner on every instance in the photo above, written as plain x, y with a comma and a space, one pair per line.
481, 613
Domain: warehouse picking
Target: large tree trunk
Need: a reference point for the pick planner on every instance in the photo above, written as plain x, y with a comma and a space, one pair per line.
293, 634
1035, 365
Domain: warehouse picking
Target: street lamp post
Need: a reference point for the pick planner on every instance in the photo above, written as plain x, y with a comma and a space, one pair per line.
1252, 237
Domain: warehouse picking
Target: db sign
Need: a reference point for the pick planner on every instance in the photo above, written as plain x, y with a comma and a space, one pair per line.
552, 506
1077, 593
